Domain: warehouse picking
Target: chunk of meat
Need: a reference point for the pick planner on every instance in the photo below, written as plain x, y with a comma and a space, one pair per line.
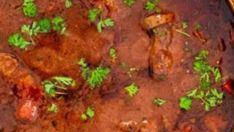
160, 60
28, 86
156, 20
215, 123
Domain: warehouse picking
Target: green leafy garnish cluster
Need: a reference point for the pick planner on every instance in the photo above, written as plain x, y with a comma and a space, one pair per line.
94, 77
104, 23
52, 108
88, 114
29, 8
152, 5
129, 3
57, 82
17, 40
94, 15
205, 92
159, 101
41, 26
58, 24
132, 90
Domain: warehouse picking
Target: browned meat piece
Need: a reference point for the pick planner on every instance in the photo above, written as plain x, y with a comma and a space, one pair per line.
160, 60
143, 126
215, 123
156, 20
29, 89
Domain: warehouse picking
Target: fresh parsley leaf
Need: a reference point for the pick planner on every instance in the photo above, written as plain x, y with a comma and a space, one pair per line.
66, 81
129, 3
93, 14
17, 40
159, 101
185, 103
88, 114
217, 74
44, 25
58, 24
94, 77
132, 90
108, 22
57, 82
97, 76
113, 53
52, 108
209, 96
68, 3
31, 30
150, 6
29, 8
49, 88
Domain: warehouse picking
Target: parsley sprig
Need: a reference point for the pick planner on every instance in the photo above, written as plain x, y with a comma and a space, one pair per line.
205, 92
94, 77
94, 15
88, 114
18, 40
29, 8
57, 82
132, 90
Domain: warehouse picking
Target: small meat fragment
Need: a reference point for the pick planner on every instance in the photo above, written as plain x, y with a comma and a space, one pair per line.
160, 61
215, 123
156, 20
27, 111
128, 126
28, 86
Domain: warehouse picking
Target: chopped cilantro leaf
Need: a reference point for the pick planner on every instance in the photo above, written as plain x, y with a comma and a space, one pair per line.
185, 103
29, 8
108, 22
58, 24
159, 101
132, 90
52, 108
93, 14
17, 40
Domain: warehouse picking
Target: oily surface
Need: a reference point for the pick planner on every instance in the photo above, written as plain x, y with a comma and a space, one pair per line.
57, 55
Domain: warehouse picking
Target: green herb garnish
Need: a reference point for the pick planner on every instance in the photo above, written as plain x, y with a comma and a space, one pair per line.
29, 8
52, 108
94, 77
17, 40
108, 22
88, 114
159, 101
93, 14
209, 76
113, 53
58, 24
185, 103
132, 90
44, 25
58, 82
150, 6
